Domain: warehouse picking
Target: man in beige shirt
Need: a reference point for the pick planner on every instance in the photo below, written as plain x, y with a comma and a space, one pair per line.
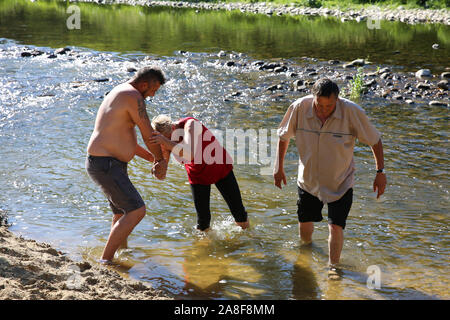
325, 128
113, 144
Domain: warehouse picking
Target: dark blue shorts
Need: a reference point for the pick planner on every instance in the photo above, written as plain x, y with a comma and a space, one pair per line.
112, 177
310, 208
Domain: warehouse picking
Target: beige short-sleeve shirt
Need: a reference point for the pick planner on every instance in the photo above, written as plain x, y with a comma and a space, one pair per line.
326, 165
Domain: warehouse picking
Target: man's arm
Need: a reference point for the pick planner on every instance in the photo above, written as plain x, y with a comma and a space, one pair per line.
278, 171
144, 154
186, 148
139, 116
380, 181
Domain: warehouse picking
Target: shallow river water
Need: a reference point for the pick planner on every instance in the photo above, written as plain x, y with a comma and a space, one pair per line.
47, 112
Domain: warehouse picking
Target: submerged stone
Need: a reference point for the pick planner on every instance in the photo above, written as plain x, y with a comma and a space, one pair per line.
437, 103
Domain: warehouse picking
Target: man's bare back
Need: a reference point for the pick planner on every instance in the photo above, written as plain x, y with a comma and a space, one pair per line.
114, 134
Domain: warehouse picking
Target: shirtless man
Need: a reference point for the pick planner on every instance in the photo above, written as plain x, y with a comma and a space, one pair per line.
114, 143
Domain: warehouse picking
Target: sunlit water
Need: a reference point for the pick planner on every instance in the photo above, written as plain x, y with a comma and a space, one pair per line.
47, 112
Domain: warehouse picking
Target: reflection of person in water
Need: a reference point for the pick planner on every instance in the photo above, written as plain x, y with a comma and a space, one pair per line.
304, 283
206, 163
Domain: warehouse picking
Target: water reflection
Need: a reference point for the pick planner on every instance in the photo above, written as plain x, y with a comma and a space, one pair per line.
123, 28
305, 286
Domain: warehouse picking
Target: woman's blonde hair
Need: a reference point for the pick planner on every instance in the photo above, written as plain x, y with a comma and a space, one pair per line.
162, 123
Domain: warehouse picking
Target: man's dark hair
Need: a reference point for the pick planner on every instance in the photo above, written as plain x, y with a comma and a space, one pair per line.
324, 88
149, 74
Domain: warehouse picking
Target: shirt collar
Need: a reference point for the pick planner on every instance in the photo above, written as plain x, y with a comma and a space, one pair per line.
338, 111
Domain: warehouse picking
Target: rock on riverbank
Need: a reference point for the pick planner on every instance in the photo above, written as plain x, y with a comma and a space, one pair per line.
389, 83
33, 271
369, 14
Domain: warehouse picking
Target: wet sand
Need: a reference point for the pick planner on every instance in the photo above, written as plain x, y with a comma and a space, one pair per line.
36, 271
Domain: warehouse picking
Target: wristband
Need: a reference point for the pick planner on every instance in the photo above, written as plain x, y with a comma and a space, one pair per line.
380, 170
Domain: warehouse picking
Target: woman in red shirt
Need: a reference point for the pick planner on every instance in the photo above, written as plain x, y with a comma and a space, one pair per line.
206, 163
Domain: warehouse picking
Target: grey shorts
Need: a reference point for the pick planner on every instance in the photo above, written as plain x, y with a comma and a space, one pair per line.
112, 177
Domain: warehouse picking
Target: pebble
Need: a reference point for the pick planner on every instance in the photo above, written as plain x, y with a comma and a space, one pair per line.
355, 63
62, 50
280, 69
445, 75
275, 87
443, 85
423, 85
437, 103
423, 73
101, 80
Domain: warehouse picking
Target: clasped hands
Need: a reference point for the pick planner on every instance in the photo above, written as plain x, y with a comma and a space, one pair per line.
159, 169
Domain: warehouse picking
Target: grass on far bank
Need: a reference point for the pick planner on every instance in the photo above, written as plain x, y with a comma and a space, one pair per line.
352, 4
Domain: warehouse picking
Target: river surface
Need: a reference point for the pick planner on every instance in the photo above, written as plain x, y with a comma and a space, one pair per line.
48, 109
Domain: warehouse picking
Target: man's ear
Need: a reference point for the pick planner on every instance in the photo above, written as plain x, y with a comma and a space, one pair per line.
145, 85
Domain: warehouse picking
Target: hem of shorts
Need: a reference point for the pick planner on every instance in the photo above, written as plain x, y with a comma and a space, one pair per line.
128, 211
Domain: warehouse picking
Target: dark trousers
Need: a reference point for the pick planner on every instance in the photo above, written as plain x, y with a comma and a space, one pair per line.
229, 189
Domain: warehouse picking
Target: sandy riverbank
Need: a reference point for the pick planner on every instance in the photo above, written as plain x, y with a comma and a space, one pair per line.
371, 14
33, 271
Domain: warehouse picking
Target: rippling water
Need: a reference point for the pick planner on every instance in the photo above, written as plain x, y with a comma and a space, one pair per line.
47, 112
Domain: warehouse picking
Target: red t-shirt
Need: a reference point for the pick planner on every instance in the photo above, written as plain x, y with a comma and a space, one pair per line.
210, 168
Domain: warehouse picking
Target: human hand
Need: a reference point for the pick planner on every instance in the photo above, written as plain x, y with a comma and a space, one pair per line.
158, 138
159, 170
379, 184
279, 177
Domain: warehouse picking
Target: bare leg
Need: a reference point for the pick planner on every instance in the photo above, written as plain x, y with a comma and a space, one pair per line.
116, 218
306, 230
120, 231
335, 243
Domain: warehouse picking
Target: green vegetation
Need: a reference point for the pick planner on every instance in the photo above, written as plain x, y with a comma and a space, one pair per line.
357, 85
162, 31
348, 4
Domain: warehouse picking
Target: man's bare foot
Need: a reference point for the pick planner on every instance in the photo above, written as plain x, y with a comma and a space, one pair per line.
105, 262
243, 225
334, 273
